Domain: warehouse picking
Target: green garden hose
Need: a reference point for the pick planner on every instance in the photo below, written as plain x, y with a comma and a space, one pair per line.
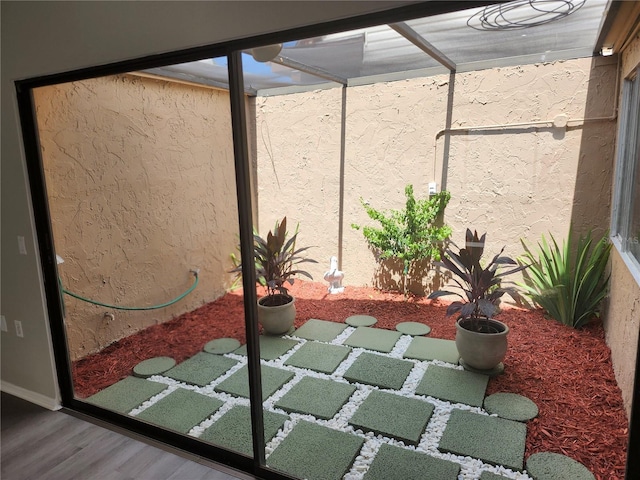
152, 307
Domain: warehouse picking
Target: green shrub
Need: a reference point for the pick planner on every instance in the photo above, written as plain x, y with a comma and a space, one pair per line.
412, 234
569, 287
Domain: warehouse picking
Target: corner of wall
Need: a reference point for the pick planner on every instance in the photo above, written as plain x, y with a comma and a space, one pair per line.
30, 396
622, 325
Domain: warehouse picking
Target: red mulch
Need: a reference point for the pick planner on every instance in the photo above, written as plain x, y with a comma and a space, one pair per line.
566, 372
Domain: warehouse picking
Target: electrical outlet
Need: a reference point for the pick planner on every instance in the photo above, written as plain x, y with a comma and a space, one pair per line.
22, 246
19, 331
3, 324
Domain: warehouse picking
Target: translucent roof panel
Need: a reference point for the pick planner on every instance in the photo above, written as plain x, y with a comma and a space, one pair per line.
514, 33
261, 75
210, 71
360, 53
257, 75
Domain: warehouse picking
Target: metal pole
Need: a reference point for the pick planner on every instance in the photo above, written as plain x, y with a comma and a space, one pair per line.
243, 190
343, 140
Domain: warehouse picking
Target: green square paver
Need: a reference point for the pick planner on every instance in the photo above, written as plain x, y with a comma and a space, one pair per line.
320, 330
385, 372
201, 369
319, 357
315, 452
395, 462
423, 348
376, 339
238, 383
271, 347
126, 394
181, 410
233, 429
493, 440
316, 396
457, 386
393, 416
486, 475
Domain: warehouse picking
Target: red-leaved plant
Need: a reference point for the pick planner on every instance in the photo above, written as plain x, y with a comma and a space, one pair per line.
275, 258
481, 286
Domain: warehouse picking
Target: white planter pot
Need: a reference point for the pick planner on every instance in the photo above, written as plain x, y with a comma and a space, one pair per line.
277, 320
480, 350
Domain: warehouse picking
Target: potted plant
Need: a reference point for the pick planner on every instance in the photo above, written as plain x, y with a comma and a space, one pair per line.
481, 340
275, 261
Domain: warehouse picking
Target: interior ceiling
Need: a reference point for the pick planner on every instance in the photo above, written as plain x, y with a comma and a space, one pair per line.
514, 33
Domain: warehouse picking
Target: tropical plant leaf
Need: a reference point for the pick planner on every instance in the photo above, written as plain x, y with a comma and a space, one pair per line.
449, 265
442, 293
482, 286
454, 308
486, 307
275, 257
515, 270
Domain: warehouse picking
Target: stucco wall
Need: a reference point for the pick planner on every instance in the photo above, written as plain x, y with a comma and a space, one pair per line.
631, 57
509, 182
622, 322
141, 186
140, 175
622, 317
298, 160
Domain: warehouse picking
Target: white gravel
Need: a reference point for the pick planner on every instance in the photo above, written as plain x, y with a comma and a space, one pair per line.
471, 468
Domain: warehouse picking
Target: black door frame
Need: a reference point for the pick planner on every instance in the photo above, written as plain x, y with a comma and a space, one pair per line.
39, 198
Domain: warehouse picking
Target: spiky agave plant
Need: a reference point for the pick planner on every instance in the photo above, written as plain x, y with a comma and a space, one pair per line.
481, 286
568, 285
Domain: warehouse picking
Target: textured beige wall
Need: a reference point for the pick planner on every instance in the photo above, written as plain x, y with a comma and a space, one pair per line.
140, 175
298, 160
631, 57
141, 186
622, 318
511, 183
622, 323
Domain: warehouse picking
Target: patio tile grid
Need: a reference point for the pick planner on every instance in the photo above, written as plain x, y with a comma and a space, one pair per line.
429, 440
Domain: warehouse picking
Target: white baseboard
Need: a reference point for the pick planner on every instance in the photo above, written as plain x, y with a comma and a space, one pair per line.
33, 397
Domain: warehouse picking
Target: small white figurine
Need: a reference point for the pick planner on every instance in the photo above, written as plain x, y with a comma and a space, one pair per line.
334, 277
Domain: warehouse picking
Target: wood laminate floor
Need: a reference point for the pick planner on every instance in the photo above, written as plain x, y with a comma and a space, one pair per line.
40, 444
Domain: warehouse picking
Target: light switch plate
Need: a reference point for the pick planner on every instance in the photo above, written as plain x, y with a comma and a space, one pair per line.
22, 246
19, 331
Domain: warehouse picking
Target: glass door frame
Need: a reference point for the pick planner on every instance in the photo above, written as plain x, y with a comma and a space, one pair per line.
40, 206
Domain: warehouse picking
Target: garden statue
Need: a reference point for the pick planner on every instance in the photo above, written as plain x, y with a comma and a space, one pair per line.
334, 277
